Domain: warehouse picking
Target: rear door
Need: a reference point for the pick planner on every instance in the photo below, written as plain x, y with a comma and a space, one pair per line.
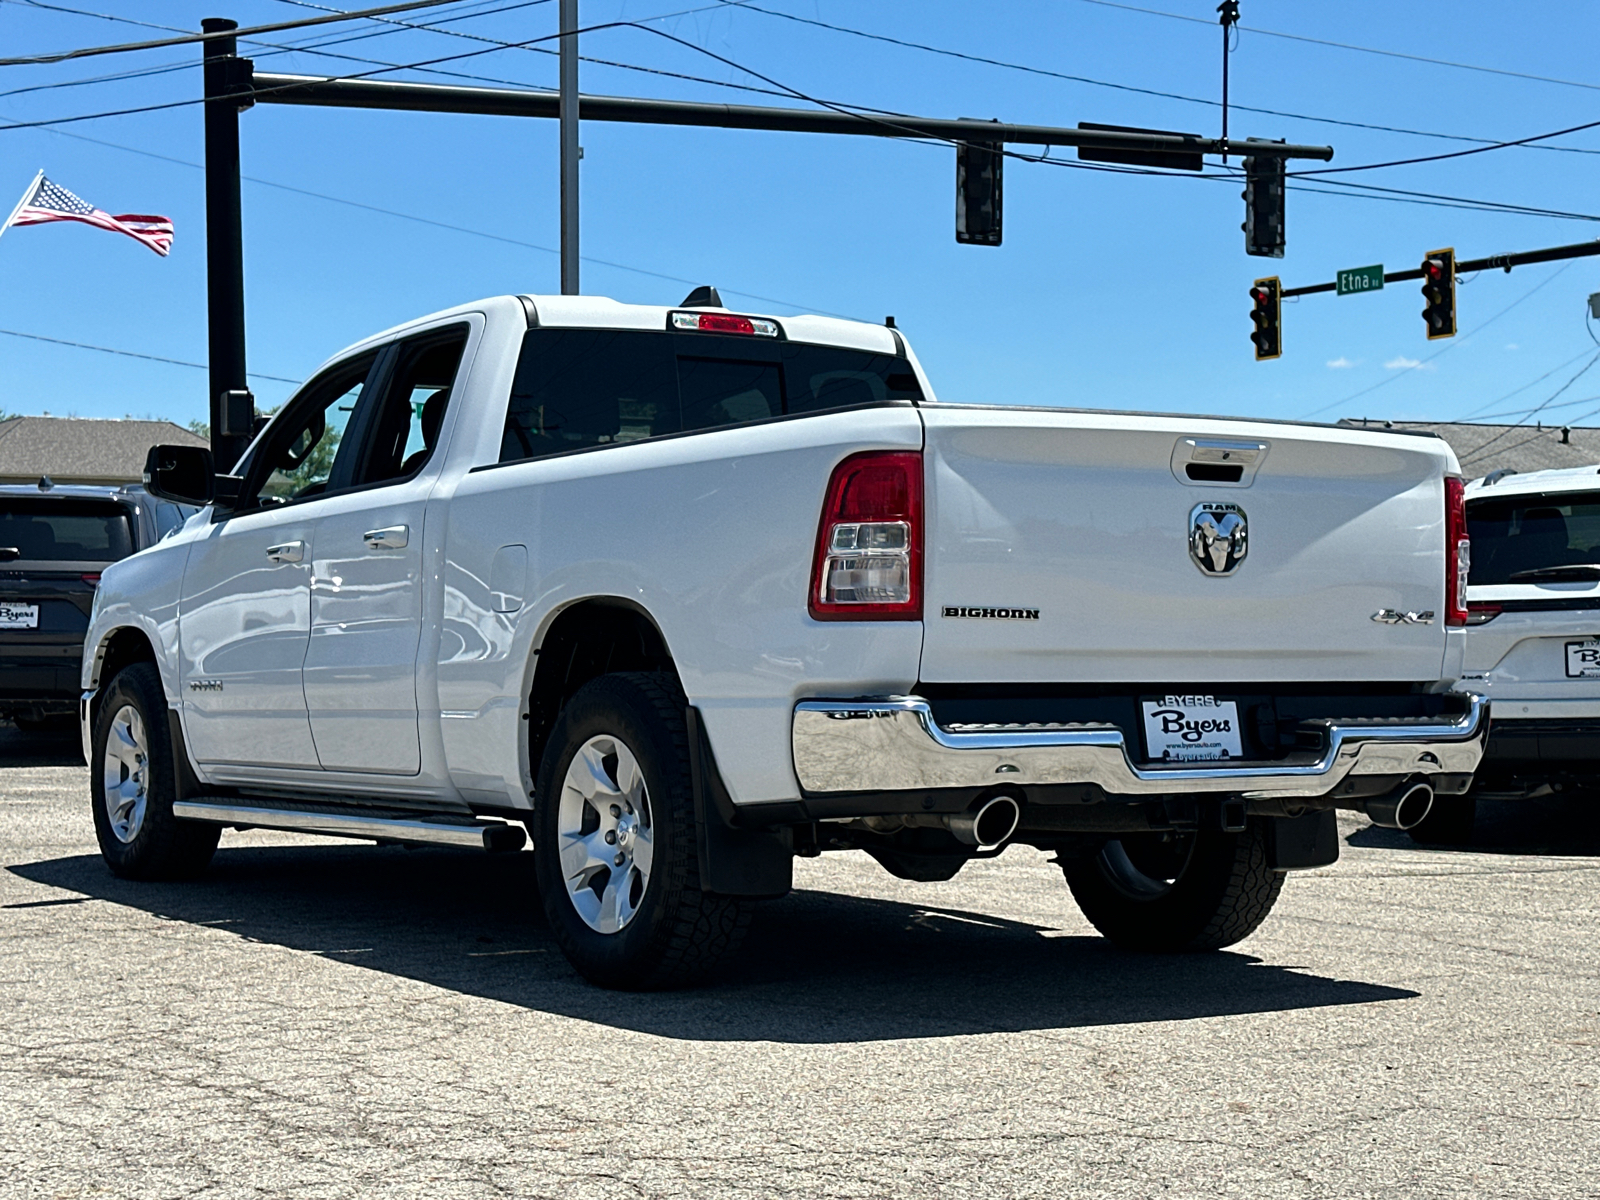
245, 616
1102, 547
52, 550
366, 585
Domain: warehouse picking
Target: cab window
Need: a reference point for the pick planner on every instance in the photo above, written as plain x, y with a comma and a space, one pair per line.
297, 459
406, 421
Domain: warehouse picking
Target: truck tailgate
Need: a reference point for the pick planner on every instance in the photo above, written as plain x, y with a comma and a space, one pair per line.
1058, 550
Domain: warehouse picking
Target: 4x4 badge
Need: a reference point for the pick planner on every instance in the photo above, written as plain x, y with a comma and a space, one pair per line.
1218, 537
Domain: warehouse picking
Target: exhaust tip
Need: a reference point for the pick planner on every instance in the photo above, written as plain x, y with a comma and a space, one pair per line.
988, 826
1404, 808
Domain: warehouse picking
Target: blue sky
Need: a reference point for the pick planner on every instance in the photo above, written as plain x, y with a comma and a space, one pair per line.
1110, 291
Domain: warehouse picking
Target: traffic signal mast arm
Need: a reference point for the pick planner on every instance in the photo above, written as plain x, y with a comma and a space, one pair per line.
271, 88
1503, 261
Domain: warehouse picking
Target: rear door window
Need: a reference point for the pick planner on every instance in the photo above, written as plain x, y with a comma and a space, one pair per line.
63, 531
577, 388
1525, 533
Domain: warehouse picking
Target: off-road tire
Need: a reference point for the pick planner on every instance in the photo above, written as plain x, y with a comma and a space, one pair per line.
1448, 823
679, 933
1223, 891
163, 847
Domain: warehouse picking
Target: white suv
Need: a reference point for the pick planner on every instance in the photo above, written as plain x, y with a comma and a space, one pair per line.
1533, 643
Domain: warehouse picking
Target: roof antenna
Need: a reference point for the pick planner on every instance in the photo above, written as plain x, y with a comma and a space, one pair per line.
703, 297
46, 483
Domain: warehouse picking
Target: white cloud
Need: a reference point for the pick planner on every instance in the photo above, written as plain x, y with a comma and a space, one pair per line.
1342, 363
1512, 346
1401, 363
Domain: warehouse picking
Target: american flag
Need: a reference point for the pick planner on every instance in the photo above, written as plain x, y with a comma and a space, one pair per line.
51, 202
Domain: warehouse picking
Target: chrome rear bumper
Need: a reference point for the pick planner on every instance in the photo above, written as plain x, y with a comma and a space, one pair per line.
894, 744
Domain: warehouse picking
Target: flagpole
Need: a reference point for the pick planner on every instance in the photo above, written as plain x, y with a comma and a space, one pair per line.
26, 196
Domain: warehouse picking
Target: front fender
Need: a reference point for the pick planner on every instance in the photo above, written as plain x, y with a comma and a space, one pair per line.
139, 593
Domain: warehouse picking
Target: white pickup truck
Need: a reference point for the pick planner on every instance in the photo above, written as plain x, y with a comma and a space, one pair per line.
688, 593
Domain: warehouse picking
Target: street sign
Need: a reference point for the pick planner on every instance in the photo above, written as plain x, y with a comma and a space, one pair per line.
1361, 279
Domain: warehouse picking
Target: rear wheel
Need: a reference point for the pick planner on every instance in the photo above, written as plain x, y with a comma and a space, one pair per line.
1178, 891
132, 785
1449, 821
614, 840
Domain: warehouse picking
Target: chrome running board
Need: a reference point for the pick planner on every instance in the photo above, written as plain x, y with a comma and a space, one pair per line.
465, 832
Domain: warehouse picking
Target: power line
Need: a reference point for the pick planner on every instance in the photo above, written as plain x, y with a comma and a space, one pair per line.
481, 233
1428, 158
604, 62
1501, 400
413, 66
190, 39
1295, 37
1030, 70
873, 116
1436, 200
1581, 371
176, 362
1445, 349
1517, 412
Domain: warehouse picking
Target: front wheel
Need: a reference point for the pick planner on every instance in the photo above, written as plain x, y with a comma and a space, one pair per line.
614, 840
1167, 892
133, 783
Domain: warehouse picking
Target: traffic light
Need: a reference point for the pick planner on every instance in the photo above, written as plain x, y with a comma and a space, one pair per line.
1267, 296
1263, 205
978, 192
1439, 291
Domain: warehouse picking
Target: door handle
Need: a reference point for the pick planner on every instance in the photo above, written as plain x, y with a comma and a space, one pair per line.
287, 552
394, 537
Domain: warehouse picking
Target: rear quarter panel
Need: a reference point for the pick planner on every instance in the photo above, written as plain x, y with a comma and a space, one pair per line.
712, 535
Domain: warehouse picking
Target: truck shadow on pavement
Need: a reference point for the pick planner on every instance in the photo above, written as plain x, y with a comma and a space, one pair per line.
817, 968
1557, 826
57, 746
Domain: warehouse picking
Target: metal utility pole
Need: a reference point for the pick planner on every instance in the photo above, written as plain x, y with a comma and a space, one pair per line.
1230, 17
225, 77
569, 147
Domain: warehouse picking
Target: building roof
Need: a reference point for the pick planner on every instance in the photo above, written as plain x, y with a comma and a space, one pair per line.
1485, 448
81, 450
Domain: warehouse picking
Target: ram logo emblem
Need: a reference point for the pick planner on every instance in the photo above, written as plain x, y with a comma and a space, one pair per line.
1218, 537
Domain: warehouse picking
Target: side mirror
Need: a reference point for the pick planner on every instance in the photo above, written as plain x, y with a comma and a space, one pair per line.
181, 474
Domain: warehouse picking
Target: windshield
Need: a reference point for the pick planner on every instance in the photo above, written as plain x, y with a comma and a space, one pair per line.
63, 531
1526, 533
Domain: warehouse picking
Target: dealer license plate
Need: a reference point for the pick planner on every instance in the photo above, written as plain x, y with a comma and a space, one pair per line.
1583, 659
19, 616
1191, 729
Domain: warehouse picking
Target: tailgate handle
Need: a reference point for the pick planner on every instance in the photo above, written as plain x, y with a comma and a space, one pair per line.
1217, 462
393, 538
287, 552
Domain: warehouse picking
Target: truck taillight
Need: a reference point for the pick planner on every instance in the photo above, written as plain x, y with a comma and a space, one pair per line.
868, 563
1457, 551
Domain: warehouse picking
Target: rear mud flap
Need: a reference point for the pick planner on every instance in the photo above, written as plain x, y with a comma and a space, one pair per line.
1300, 843
757, 863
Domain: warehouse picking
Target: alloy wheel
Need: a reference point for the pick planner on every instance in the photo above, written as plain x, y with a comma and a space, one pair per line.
604, 832
125, 773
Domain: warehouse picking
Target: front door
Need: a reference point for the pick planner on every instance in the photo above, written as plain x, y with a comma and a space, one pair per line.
244, 617
366, 587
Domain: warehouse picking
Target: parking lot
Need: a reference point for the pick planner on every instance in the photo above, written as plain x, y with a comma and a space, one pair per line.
316, 1019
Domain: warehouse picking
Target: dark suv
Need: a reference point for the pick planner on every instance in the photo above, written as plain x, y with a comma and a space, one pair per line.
54, 542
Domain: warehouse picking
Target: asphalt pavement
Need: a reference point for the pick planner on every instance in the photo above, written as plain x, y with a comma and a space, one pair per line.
324, 1019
